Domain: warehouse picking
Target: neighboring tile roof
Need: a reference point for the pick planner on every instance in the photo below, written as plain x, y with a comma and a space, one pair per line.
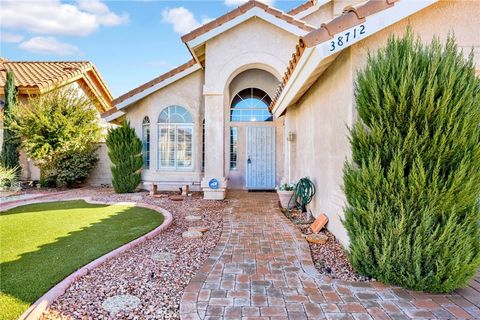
41, 75
304, 6
241, 10
153, 82
350, 17
36, 77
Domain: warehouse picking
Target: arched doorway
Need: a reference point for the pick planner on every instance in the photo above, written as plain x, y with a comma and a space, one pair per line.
252, 131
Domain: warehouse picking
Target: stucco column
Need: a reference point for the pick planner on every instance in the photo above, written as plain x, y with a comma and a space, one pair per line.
214, 147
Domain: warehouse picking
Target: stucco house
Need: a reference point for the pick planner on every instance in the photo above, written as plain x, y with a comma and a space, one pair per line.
269, 95
36, 78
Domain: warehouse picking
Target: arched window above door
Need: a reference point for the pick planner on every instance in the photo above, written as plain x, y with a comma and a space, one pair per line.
250, 105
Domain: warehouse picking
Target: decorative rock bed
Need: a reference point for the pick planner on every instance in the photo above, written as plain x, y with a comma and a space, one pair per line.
35, 311
192, 234
157, 284
317, 238
124, 302
192, 218
328, 255
164, 256
199, 229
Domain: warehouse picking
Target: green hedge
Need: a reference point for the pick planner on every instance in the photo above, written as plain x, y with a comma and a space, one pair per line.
413, 185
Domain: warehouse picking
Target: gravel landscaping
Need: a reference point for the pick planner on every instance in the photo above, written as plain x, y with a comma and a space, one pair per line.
145, 272
330, 258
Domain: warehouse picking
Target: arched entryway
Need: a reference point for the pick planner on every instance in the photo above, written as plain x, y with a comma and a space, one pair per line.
251, 133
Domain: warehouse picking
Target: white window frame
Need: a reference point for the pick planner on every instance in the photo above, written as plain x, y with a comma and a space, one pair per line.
175, 127
146, 126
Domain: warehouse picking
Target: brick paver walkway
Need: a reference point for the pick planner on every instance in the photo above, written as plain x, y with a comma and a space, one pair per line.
262, 269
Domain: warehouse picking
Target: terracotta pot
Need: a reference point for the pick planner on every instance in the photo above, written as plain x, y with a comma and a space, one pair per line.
284, 197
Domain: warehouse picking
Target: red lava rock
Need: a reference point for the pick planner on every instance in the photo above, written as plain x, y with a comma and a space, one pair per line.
330, 259
131, 272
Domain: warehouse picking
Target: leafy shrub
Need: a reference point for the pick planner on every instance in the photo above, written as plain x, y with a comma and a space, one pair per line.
125, 152
412, 186
70, 169
59, 130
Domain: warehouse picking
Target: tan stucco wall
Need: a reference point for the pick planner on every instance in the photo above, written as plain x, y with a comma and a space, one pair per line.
186, 92
322, 15
440, 19
254, 78
320, 119
320, 146
101, 175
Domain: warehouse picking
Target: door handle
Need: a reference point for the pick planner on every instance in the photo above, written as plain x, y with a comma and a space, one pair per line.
248, 160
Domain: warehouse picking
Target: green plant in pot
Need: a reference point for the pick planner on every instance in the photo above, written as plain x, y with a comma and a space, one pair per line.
285, 192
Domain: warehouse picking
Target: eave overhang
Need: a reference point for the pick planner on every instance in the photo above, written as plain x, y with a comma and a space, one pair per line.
318, 54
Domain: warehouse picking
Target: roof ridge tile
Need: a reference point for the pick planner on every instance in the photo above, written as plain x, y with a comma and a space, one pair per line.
280, 14
304, 6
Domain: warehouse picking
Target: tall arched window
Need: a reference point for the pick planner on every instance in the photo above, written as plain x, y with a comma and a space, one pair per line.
250, 105
175, 139
146, 142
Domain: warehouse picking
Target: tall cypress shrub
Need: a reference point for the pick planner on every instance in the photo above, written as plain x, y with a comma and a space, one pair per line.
413, 184
125, 152
9, 157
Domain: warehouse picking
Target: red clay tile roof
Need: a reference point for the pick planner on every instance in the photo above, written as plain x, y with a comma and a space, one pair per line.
304, 6
350, 17
241, 10
41, 75
153, 82
36, 77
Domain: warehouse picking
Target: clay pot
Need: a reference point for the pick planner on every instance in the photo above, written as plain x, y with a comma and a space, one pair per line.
284, 197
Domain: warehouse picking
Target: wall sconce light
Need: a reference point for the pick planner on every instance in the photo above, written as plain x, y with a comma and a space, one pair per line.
290, 136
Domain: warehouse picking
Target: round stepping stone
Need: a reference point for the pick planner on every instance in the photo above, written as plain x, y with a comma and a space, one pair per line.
317, 238
199, 229
124, 302
193, 218
192, 234
163, 256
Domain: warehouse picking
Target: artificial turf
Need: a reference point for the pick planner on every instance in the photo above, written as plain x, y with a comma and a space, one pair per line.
41, 244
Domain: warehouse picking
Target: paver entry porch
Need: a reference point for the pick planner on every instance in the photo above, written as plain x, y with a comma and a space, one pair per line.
262, 269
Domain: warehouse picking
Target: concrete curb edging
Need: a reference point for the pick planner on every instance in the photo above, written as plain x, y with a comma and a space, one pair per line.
7, 205
38, 307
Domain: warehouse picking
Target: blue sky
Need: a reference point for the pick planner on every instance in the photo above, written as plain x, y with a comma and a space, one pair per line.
130, 42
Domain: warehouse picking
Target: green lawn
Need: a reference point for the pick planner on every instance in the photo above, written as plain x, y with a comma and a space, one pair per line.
41, 244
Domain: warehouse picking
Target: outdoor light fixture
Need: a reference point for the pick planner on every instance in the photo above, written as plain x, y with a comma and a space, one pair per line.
290, 136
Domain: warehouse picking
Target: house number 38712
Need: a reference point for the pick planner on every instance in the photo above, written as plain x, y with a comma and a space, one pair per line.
347, 37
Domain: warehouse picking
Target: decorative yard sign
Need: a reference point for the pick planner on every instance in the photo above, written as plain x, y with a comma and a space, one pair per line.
213, 184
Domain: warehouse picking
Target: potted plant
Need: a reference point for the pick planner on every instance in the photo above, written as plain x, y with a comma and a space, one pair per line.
285, 192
